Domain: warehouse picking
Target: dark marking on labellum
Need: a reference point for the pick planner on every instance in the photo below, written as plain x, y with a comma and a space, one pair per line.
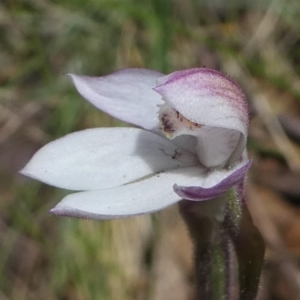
167, 125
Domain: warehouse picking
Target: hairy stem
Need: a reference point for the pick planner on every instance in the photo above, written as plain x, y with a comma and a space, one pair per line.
228, 251
214, 256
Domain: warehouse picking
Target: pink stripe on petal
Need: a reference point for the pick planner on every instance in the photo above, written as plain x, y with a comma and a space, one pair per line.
208, 97
200, 193
199, 94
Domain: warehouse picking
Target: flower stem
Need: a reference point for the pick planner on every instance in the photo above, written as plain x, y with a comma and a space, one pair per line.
228, 252
248, 243
213, 267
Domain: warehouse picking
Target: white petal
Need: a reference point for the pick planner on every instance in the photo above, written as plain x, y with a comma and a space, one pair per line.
127, 95
142, 197
187, 142
100, 158
216, 146
146, 196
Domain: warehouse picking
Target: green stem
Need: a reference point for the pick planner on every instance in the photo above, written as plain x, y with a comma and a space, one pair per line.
248, 243
218, 271
216, 267
228, 252
213, 255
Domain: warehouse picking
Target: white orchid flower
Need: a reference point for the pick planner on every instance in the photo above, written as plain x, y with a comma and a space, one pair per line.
190, 144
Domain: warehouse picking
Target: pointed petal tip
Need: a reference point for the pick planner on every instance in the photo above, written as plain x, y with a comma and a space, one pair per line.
26, 172
76, 79
72, 75
22, 171
65, 211
54, 211
30, 171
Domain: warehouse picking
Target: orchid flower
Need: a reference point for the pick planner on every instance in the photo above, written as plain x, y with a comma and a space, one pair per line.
190, 144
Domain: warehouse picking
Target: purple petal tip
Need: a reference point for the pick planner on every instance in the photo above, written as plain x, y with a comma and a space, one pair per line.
197, 193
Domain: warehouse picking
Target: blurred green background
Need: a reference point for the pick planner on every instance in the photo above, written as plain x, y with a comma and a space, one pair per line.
148, 257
